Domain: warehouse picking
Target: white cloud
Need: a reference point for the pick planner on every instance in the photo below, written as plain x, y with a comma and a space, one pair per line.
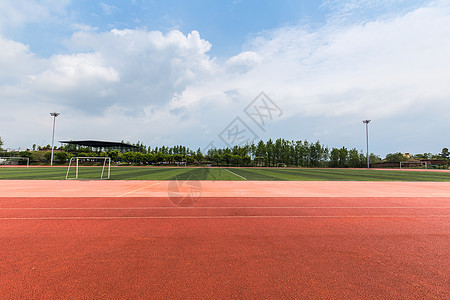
18, 13
112, 76
155, 87
16, 60
152, 67
66, 73
389, 70
243, 62
108, 9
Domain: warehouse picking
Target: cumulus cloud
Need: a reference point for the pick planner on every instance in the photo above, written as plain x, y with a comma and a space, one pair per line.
16, 60
391, 69
134, 82
382, 66
153, 67
124, 68
114, 75
243, 62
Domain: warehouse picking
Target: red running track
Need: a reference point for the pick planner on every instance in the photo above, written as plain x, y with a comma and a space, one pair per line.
295, 247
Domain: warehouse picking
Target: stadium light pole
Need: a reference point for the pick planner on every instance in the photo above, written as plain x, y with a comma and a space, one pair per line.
367, 140
54, 115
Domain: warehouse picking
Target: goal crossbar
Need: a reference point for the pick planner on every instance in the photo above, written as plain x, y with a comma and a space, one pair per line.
82, 158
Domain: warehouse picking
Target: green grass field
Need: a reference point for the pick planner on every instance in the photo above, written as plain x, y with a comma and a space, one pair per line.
280, 174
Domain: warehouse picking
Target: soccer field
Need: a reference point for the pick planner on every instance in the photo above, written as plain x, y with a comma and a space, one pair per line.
251, 174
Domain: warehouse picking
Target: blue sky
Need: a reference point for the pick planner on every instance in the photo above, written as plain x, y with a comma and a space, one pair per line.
226, 24
181, 72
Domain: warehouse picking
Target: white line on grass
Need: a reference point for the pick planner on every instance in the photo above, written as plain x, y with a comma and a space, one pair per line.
236, 174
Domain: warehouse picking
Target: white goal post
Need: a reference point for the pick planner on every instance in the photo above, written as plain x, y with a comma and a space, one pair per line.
413, 164
14, 161
106, 164
281, 165
181, 163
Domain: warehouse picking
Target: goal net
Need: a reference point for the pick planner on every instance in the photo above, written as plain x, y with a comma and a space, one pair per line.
281, 165
182, 163
413, 165
89, 168
15, 161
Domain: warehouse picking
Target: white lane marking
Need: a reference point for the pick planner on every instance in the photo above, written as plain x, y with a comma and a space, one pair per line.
219, 217
139, 189
236, 174
222, 207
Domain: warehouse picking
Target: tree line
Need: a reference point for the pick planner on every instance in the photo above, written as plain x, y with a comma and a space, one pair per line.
270, 153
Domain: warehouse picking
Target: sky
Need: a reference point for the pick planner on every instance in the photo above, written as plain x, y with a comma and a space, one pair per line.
221, 73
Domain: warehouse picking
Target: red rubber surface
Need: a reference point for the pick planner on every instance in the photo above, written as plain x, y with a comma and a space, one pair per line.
225, 247
127, 239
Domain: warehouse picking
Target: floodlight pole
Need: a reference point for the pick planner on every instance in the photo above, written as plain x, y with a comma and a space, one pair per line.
54, 115
367, 141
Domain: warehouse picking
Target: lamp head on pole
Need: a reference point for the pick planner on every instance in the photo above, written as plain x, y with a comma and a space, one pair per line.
366, 121
54, 114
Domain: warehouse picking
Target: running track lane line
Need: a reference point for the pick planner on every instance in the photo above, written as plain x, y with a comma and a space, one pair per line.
220, 217
139, 189
236, 174
224, 207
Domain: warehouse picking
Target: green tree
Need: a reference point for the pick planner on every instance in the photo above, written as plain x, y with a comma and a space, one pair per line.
216, 158
199, 156
343, 156
373, 158
444, 153
47, 156
246, 160
395, 157
159, 157
236, 160
178, 157
270, 153
128, 156
37, 156
334, 157
149, 158
227, 158
139, 157
61, 157
113, 154
354, 158
27, 154
305, 154
168, 158
317, 154
190, 159
1, 143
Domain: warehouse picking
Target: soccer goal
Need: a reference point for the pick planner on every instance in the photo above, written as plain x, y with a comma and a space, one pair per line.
89, 168
182, 163
413, 164
15, 161
281, 165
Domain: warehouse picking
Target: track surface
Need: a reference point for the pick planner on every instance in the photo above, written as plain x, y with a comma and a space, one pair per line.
211, 240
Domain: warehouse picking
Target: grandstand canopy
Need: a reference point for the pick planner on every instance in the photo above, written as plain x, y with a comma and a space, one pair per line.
101, 144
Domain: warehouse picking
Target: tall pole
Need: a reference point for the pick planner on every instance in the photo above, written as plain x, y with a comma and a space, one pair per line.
54, 115
367, 141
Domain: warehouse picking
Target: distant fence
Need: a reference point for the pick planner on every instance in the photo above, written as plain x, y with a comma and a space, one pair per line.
430, 164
